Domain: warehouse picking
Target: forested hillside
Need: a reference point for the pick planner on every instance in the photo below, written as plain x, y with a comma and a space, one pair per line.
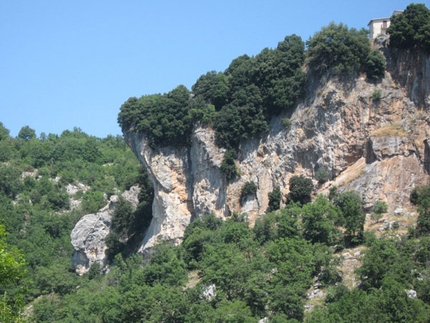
47, 183
286, 266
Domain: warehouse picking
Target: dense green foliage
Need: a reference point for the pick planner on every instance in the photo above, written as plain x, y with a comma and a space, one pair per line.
390, 268
128, 225
228, 165
321, 175
228, 270
12, 271
300, 189
237, 103
411, 28
375, 65
275, 198
264, 271
253, 277
35, 207
338, 48
351, 205
165, 119
421, 197
379, 208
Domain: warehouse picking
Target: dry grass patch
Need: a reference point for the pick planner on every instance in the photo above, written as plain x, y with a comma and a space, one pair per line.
193, 279
390, 130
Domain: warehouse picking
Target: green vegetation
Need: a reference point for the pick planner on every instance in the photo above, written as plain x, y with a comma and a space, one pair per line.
249, 188
321, 175
243, 273
264, 271
375, 65
12, 272
165, 119
228, 165
379, 208
286, 122
238, 103
421, 197
411, 28
36, 212
377, 95
275, 198
338, 48
300, 189
249, 273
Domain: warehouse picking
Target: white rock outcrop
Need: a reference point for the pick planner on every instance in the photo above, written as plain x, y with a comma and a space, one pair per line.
88, 235
378, 148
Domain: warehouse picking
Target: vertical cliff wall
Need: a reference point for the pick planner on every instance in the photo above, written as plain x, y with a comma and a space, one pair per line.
378, 147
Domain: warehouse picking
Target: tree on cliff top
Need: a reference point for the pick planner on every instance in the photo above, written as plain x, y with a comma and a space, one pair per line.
411, 28
338, 48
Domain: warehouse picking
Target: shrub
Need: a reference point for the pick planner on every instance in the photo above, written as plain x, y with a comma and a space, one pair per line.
321, 175
275, 197
380, 207
375, 65
286, 122
413, 197
300, 189
228, 165
249, 188
377, 95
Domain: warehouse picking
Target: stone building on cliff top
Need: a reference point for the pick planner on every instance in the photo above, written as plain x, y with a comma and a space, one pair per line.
378, 26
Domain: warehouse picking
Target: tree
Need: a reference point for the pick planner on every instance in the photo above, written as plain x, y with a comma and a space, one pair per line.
319, 222
26, 133
10, 183
249, 188
423, 201
12, 271
213, 88
351, 207
228, 165
275, 197
375, 65
411, 28
4, 132
300, 189
321, 175
378, 261
379, 208
338, 48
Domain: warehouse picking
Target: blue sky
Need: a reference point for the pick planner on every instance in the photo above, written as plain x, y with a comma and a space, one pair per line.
66, 64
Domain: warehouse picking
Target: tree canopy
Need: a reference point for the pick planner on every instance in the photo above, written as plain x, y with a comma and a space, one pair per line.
339, 48
411, 28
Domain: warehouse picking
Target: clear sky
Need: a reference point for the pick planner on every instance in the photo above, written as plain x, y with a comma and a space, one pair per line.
66, 64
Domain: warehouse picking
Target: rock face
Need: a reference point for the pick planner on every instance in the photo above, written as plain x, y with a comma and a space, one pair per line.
89, 233
377, 147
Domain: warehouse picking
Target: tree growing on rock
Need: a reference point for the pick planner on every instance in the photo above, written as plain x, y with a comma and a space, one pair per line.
300, 189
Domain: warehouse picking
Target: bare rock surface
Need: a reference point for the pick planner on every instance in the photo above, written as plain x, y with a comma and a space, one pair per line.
88, 235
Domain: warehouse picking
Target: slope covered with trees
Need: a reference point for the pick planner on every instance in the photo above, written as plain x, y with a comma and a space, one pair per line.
37, 213
222, 271
229, 272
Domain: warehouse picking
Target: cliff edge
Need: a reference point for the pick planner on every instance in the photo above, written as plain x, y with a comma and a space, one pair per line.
370, 137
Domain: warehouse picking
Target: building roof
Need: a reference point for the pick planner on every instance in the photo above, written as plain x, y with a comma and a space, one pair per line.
396, 12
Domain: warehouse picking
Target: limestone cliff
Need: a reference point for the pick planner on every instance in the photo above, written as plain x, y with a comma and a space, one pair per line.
88, 235
371, 137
